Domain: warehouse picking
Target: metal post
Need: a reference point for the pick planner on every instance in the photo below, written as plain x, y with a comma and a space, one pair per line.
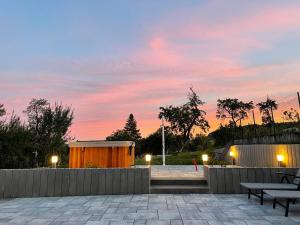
163, 141
298, 98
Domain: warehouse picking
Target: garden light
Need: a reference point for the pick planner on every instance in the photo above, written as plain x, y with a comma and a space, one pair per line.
204, 158
54, 160
280, 159
148, 159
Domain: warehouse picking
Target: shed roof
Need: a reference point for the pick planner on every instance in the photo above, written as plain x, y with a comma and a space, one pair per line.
101, 144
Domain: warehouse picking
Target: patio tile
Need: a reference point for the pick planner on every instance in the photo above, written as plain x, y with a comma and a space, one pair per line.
193, 209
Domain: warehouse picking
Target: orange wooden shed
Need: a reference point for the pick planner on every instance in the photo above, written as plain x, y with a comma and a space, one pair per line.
101, 154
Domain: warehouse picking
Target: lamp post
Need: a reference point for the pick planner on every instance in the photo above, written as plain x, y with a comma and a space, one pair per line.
163, 141
232, 155
148, 159
280, 159
54, 160
204, 158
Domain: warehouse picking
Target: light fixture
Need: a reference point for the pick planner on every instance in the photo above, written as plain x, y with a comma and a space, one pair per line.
148, 158
54, 160
232, 155
204, 158
280, 159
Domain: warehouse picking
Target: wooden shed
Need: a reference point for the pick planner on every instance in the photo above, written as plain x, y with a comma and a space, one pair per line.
101, 154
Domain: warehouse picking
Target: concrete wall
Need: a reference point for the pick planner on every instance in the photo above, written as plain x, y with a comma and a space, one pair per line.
72, 182
265, 155
227, 180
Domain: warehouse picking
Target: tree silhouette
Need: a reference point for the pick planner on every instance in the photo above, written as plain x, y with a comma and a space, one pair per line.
233, 109
267, 108
131, 128
185, 117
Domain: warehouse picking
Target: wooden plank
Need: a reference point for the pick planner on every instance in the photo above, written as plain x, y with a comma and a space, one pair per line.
87, 181
236, 180
213, 181
94, 182
124, 180
16, 175
221, 181
36, 182
58, 182
2, 179
267, 175
65, 186
137, 181
22, 183
29, 183
51, 183
146, 181
80, 182
73, 182
259, 175
44, 182
244, 178
8, 183
116, 175
108, 181
130, 181
101, 181
228, 180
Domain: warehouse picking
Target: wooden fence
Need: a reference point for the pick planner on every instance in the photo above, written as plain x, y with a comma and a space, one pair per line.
265, 155
73, 182
227, 180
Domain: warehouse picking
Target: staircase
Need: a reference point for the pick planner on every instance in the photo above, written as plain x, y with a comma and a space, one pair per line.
178, 186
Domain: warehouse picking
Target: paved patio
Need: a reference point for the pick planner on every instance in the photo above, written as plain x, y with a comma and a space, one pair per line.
144, 209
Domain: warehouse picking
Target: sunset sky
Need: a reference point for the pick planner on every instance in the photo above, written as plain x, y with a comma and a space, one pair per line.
111, 58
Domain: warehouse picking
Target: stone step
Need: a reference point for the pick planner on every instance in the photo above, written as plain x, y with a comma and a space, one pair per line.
178, 181
179, 189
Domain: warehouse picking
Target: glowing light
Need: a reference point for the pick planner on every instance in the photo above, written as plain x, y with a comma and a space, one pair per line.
204, 157
231, 154
280, 158
54, 159
148, 158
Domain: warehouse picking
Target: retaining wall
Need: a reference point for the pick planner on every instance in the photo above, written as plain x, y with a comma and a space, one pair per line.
227, 180
73, 182
262, 155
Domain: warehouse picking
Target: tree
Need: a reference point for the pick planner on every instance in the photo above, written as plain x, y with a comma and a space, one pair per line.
153, 143
267, 108
16, 144
119, 135
233, 109
291, 115
2, 110
49, 127
130, 132
131, 128
185, 117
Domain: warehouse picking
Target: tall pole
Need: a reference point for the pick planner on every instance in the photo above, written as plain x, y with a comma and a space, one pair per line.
163, 141
298, 98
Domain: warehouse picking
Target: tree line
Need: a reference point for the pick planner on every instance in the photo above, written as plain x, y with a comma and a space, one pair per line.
187, 124
31, 143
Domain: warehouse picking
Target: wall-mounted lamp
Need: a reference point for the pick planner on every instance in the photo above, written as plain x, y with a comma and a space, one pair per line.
280, 159
148, 159
204, 158
54, 160
232, 155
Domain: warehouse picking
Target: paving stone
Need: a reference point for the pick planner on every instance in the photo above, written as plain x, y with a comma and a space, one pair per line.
150, 209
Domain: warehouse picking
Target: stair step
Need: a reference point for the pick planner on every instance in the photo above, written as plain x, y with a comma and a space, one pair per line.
179, 189
178, 181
